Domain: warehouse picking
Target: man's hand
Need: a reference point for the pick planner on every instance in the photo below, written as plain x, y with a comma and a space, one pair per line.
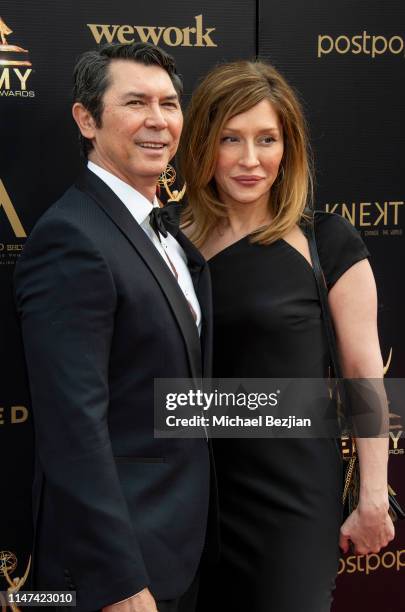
141, 602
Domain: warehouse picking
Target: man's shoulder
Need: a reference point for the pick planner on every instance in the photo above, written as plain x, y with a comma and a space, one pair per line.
67, 205
73, 219
74, 208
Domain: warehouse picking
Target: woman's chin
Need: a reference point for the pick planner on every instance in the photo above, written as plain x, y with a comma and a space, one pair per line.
248, 199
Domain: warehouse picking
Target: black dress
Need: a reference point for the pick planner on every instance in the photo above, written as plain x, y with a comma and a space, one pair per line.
280, 499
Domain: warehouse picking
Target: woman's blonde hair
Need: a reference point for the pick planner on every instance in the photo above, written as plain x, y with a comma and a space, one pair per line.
228, 90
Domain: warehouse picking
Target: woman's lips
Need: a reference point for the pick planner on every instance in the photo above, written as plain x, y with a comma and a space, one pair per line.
248, 181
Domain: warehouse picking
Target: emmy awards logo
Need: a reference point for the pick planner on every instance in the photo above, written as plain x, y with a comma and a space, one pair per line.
166, 180
8, 563
396, 427
388, 364
6, 204
396, 433
11, 55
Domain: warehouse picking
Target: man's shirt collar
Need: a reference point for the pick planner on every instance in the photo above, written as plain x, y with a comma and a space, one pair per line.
137, 204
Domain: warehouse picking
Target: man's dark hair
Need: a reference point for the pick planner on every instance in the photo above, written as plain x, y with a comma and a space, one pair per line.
91, 77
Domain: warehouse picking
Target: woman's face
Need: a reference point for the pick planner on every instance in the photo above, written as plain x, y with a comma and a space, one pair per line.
250, 151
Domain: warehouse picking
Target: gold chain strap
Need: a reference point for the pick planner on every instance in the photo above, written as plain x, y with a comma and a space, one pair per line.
348, 478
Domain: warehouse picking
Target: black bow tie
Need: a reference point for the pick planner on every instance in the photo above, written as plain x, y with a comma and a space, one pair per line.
166, 219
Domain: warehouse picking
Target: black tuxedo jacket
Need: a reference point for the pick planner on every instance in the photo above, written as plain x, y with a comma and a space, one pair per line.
115, 510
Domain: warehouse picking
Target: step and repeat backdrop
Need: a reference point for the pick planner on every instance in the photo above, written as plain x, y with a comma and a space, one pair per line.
346, 61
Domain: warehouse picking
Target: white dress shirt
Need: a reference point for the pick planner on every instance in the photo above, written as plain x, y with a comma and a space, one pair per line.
140, 208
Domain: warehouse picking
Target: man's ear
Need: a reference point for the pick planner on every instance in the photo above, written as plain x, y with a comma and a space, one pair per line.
84, 120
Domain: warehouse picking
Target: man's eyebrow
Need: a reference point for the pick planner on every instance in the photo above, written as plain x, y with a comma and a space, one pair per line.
139, 94
134, 94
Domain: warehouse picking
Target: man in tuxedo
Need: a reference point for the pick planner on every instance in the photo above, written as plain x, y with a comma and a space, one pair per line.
111, 296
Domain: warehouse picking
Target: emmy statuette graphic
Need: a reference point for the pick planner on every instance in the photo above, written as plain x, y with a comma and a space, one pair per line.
8, 563
11, 55
166, 180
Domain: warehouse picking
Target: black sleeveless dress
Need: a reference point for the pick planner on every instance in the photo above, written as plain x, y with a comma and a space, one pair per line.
280, 499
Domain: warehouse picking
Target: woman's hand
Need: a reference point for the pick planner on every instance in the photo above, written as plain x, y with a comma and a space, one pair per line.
369, 527
353, 305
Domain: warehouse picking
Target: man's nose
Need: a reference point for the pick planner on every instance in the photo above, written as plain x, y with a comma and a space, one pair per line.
155, 118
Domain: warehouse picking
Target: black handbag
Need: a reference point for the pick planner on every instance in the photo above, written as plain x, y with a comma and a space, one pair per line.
351, 488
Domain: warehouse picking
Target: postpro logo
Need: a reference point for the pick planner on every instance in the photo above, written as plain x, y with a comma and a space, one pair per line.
360, 44
367, 564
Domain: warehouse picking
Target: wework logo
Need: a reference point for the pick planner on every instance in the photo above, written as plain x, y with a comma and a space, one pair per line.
196, 36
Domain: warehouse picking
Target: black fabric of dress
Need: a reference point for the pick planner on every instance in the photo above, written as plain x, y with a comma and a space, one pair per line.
280, 499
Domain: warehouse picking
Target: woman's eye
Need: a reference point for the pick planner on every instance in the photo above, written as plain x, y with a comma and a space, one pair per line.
268, 139
229, 139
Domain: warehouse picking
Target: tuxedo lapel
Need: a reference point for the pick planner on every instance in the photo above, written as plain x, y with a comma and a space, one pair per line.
205, 298
116, 210
200, 276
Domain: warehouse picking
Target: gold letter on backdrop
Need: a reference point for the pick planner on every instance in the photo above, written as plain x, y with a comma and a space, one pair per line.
9, 209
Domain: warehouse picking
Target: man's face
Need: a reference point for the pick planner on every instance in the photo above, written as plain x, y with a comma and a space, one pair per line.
141, 123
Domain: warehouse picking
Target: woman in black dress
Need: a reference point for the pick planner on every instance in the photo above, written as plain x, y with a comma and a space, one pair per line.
244, 157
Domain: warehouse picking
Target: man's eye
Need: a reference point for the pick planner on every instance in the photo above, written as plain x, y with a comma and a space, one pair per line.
134, 102
170, 104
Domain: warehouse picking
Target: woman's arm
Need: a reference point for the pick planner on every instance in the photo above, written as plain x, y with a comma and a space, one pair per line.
353, 304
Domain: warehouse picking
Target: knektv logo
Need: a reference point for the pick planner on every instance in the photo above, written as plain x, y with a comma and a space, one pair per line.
373, 45
372, 218
15, 67
195, 36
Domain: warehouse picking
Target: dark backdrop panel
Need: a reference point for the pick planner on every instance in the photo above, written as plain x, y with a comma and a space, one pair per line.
354, 105
346, 60
40, 158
